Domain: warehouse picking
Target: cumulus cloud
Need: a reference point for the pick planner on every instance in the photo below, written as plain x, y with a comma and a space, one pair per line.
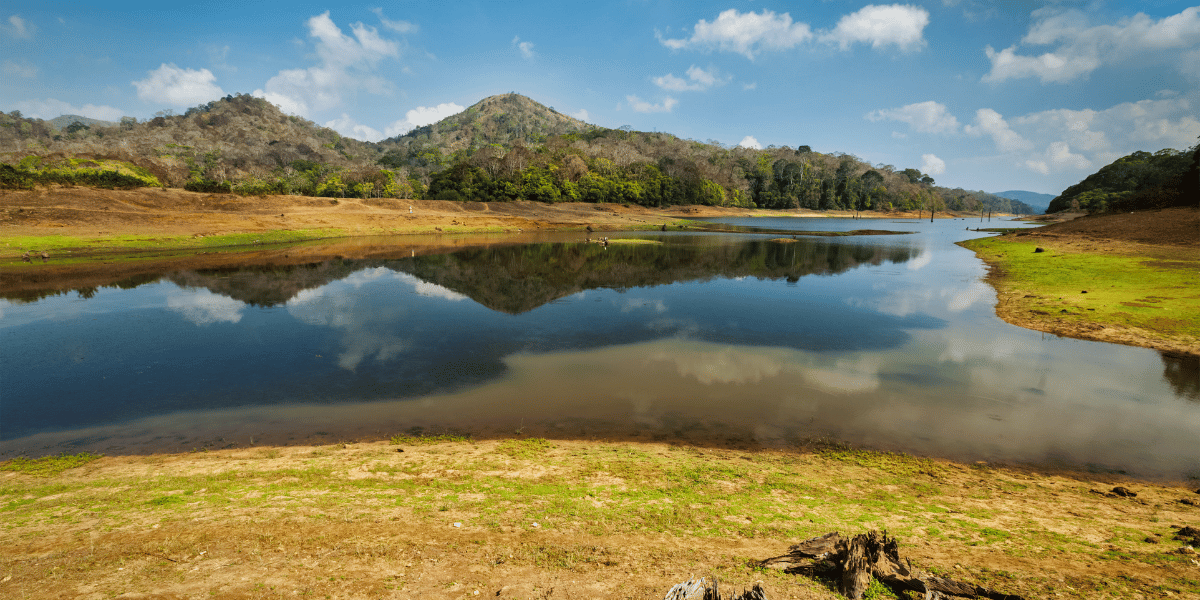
345, 64
421, 116
1080, 48
639, 105
1121, 129
932, 165
750, 142
926, 117
698, 80
21, 69
581, 114
174, 86
525, 48
990, 122
1058, 157
50, 108
353, 129
19, 28
899, 25
747, 34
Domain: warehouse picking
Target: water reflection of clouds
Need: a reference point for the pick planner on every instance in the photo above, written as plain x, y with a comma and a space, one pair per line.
920, 261
366, 330
737, 365
202, 307
633, 304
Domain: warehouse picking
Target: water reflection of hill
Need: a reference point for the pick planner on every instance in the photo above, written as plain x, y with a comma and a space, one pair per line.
517, 279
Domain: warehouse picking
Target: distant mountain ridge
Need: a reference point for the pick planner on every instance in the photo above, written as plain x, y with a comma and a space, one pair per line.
502, 148
1034, 199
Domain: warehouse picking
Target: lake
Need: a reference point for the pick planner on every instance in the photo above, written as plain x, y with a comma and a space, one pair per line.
887, 341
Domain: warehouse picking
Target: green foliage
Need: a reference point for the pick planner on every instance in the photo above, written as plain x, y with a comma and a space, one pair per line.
33, 171
422, 439
47, 466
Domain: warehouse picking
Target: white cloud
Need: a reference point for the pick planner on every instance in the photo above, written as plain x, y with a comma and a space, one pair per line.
932, 165
174, 86
19, 28
50, 108
990, 122
926, 117
899, 25
744, 33
421, 116
346, 64
750, 86
1144, 125
750, 142
581, 114
22, 69
353, 129
698, 79
526, 48
1058, 157
1082, 48
639, 105
397, 26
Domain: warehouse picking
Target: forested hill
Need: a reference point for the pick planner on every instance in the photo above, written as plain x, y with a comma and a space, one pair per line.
1138, 181
505, 147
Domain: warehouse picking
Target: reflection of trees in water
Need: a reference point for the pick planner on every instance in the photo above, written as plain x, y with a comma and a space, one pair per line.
517, 279
1183, 373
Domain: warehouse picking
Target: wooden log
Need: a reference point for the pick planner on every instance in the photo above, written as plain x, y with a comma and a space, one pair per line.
808, 557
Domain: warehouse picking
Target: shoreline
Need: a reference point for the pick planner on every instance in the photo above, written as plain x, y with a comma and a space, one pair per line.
1105, 288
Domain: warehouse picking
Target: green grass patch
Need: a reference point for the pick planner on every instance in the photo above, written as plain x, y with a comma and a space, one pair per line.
426, 439
1159, 295
527, 449
47, 466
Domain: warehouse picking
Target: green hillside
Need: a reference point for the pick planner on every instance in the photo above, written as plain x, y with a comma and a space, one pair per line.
505, 147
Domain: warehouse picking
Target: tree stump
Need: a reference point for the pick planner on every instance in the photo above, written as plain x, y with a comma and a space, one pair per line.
854, 561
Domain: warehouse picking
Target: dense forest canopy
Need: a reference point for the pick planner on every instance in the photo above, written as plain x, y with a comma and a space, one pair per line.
505, 147
1138, 181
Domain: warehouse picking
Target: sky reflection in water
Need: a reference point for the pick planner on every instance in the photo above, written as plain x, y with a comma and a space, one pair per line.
889, 341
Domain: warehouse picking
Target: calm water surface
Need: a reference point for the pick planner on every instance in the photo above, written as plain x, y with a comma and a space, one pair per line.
888, 341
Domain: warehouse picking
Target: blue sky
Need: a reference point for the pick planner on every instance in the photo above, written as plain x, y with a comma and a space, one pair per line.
981, 95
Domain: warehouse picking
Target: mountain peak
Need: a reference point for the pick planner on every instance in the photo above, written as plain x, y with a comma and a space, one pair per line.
505, 119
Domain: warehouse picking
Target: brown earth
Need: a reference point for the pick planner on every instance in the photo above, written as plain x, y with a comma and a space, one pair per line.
90, 212
1165, 227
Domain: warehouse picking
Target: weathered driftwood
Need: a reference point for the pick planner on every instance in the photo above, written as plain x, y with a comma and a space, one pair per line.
854, 561
700, 589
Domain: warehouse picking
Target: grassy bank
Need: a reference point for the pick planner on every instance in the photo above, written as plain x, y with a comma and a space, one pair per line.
533, 518
1115, 292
